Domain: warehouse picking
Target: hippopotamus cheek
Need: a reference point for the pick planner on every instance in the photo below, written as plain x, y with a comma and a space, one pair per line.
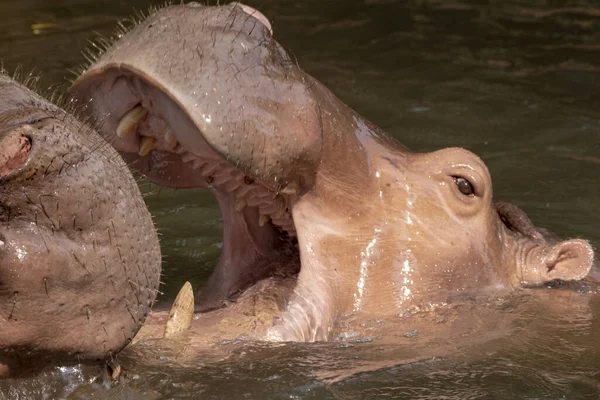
49, 293
28, 269
454, 260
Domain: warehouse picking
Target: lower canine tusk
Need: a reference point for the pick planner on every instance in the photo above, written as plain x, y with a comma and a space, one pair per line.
182, 311
146, 145
263, 220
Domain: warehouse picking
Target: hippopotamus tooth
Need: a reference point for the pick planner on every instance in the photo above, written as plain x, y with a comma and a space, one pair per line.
182, 311
146, 145
129, 122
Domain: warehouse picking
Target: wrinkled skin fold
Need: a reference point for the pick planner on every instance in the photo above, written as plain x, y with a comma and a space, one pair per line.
198, 96
79, 255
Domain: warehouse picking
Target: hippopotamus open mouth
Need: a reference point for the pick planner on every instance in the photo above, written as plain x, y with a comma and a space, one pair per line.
198, 96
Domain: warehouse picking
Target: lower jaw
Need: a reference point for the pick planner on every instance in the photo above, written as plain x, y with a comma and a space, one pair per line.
250, 315
234, 276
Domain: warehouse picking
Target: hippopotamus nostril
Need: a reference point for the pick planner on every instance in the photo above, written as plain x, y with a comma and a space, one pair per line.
14, 150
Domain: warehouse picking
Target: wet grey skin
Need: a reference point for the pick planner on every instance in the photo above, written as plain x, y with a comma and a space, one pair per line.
198, 96
79, 255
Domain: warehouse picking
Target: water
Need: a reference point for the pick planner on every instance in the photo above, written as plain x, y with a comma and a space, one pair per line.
515, 82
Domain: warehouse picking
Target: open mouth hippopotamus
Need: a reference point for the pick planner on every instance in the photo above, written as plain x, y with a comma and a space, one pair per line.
79, 255
198, 96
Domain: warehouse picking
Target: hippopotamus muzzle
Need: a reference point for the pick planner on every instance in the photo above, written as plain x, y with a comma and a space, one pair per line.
79, 255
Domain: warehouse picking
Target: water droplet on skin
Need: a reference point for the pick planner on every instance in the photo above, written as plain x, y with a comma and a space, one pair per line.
21, 254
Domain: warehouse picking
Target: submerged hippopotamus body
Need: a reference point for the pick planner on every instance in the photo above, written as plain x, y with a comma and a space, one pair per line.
79, 255
198, 96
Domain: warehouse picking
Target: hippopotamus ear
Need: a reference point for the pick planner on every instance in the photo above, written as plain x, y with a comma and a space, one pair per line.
569, 260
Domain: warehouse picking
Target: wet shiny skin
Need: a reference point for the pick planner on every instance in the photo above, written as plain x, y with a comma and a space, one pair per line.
488, 92
80, 260
338, 176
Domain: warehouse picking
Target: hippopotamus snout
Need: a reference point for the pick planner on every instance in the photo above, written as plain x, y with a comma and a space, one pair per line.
154, 110
79, 256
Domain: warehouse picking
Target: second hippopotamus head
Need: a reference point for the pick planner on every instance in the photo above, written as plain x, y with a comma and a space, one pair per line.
79, 256
198, 96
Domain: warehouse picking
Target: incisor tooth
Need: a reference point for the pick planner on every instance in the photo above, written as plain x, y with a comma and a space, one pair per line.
231, 185
267, 208
170, 138
222, 176
240, 205
263, 220
280, 206
211, 168
198, 163
187, 157
182, 311
146, 144
244, 190
265, 194
254, 201
129, 121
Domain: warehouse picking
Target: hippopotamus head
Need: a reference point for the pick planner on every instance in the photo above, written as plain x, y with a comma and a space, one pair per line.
79, 256
198, 96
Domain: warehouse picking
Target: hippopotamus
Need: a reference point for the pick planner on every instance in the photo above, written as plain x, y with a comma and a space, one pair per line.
79, 255
310, 191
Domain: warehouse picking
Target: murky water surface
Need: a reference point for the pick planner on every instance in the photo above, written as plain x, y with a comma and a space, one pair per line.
516, 82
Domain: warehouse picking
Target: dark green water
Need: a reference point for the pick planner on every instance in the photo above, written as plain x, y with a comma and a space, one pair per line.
516, 82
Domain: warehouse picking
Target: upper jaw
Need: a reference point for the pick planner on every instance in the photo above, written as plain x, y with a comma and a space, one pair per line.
249, 101
139, 131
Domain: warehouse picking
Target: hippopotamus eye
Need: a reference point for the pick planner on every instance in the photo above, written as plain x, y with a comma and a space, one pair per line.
464, 186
